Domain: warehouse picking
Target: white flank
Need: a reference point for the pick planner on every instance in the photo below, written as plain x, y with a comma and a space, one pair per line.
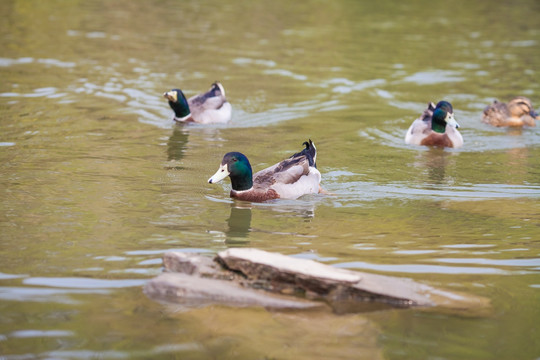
307, 184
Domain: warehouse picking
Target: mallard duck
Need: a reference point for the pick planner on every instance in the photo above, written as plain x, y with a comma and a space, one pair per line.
210, 107
517, 112
436, 127
288, 179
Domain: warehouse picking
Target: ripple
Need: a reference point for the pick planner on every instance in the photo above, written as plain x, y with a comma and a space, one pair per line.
28, 60
49, 92
4, 276
57, 63
363, 85
286, 73
40, 333
347, 193
163, 251
278, 114
110, 258
82, 283
503, 262
86, 354
421, 269
44, 295
467, 246
313, 256
249, 61
523, 43
10, 62
434, 77
96, 35
414, 252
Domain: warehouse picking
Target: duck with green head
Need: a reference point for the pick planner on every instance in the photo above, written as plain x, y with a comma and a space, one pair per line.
288, 179
517, 112
209, 108
436, 127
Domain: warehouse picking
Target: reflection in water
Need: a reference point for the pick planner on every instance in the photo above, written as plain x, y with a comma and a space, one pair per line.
239, 224
435, 161
177, 143
517, 167
239, 221
260, 334
300, 208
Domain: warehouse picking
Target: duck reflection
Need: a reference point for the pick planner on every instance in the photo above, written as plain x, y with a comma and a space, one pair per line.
239, 223
435, 161
299, 208
177, 143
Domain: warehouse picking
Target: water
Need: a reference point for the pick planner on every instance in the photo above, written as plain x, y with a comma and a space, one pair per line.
97, 181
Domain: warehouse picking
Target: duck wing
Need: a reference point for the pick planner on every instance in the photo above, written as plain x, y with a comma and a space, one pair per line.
210, 100
420, 127
287, 171
428, 113
496, 114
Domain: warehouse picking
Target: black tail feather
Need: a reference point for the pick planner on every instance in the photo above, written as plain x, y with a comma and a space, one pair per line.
310, 152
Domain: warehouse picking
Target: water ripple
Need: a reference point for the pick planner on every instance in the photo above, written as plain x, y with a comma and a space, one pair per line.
348, 193
44, 295
421, 269
434, 77
535, 262
40, 333
82, 283
28, 60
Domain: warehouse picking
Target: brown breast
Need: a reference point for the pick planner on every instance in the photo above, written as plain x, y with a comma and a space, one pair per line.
435, 139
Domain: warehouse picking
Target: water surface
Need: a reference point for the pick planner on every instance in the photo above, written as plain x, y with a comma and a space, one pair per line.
97, 181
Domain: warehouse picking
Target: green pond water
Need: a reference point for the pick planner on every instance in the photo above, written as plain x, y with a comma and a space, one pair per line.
97, 181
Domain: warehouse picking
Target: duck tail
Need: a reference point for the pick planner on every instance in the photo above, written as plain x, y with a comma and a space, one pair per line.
310, 152
217, 89
428, 113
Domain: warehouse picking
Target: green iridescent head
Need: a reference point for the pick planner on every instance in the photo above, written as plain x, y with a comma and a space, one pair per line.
179, 103
443, 115
237, 167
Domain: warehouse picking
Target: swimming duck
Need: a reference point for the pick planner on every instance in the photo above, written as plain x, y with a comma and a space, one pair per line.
436, 127
517, 112
288, 179
207, 108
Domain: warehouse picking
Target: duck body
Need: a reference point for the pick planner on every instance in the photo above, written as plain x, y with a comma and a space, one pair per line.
517, 112
210, 107
288, 179
435, 127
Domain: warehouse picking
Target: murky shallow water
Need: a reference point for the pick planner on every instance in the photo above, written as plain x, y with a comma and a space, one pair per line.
97, 182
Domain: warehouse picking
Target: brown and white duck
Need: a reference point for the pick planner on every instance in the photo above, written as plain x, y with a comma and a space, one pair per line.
517, 112
436, 127
211, 107
288, 179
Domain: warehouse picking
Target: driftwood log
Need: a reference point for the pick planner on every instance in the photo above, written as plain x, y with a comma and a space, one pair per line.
252, 277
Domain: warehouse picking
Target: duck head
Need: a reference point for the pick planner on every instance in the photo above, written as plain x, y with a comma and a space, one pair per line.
236, 166
443, 115
520, 106
179, 104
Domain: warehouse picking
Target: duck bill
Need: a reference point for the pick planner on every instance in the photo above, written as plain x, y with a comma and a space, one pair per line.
221, 174
451, 121
171, 96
